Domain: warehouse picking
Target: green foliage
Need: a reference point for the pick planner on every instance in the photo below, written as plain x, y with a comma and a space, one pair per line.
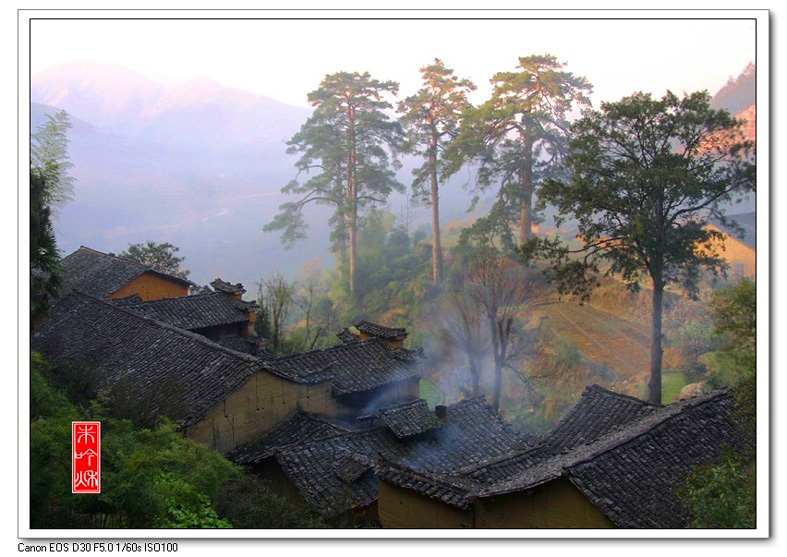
735, 311
150, 478
159, 256
518, 136
724, 496
349, 141
721, 496
50, 187
49, 157
185, 506
645, 176
248, 502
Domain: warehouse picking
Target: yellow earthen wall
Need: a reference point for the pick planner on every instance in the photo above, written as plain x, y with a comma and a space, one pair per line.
557, 504
403, 508
150, 286
255, 408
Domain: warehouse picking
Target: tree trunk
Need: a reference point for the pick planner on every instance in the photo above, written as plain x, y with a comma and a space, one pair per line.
498, 377
352, 187
525, 217
437, 253
353, 231
474, 375
654, 384
526, 201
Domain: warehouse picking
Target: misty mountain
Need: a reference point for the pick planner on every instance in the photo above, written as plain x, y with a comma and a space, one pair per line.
738, 93
200, 165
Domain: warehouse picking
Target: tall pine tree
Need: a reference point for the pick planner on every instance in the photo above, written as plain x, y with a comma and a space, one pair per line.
431, 118
518, 136
350, 142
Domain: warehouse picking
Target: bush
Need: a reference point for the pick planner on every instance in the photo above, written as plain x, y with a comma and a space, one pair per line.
248, 502
721, 496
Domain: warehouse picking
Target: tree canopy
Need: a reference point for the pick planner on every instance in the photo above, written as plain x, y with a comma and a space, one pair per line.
159, 256
645, 175
350, 141
518, 136
431, 118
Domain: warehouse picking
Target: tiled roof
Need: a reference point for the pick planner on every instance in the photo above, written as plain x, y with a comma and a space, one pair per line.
345, 335
634, 482
352, 367
379, 331
100, 274
409, 418
336, 472
172, 370
630, 473
448, 488
228, 288
194, 312
298, 429
598, 412
248, 345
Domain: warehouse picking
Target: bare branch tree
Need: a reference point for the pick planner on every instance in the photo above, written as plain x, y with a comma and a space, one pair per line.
502, 289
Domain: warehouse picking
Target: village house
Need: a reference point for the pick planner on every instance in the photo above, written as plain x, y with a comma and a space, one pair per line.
331, 463
218, 396
614, 461
221, 316
107, 276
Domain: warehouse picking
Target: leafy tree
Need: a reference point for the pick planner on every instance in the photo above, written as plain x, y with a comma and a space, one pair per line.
51, 186
721, 496
49, 156
159, 256
348, 139
519, 135
645, 175
734, 310
431, 118
248, 502
44, 256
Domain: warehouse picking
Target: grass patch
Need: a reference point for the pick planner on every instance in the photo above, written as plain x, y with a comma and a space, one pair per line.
431, 393
672, 382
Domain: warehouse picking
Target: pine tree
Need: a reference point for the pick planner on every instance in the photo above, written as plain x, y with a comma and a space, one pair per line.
350, 141
431, 118
519, 135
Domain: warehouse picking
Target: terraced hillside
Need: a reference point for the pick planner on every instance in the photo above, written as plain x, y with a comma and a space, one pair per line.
602, 337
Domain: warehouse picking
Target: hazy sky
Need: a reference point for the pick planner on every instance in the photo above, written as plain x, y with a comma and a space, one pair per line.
287, 59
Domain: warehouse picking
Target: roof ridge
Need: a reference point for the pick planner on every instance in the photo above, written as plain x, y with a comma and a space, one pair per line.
668, 412
608, 442
175, 298
128, 260
329, 349
603, 390
183, 332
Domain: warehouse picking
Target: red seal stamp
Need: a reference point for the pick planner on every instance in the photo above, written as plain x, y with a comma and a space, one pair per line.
85, 457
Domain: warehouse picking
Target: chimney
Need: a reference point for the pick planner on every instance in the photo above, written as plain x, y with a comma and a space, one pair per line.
440, 411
